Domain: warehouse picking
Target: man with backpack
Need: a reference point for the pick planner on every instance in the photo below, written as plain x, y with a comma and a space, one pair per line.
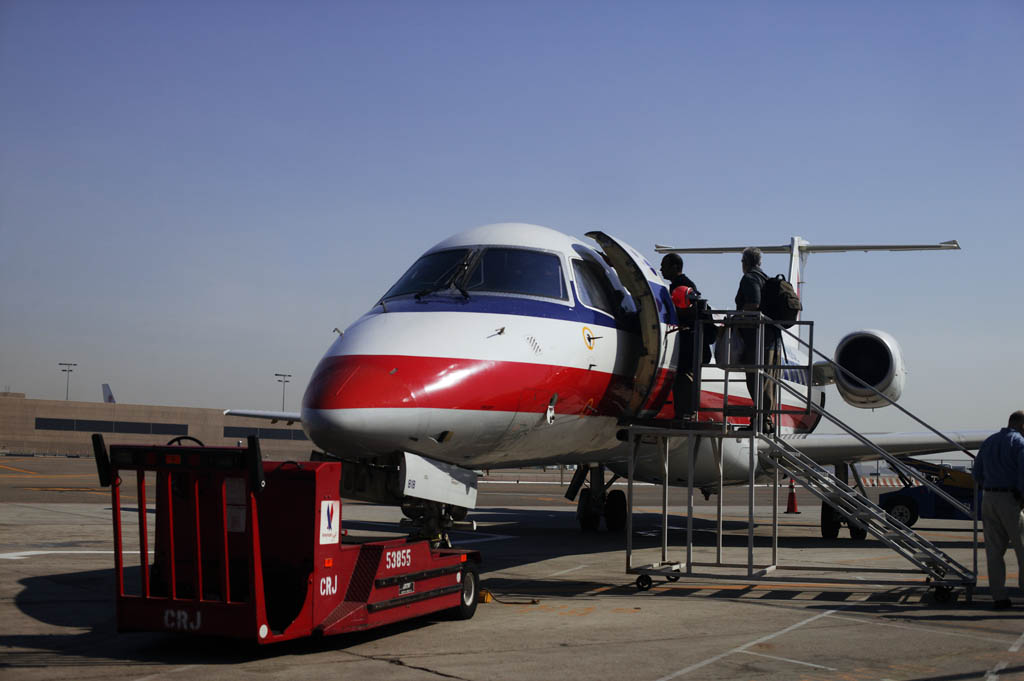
749, 298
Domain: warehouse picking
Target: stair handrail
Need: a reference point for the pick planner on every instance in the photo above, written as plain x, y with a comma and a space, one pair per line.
892, 460
907, 534
859, 381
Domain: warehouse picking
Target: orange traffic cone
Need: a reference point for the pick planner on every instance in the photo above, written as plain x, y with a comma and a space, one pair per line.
791, 502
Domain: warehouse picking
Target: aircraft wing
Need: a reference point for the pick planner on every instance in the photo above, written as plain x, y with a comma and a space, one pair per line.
827, 449
272, 416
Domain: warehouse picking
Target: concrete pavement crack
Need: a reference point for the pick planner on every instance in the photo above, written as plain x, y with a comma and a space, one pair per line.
402, 663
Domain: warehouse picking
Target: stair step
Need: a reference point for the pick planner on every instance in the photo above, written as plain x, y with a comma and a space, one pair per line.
861, 511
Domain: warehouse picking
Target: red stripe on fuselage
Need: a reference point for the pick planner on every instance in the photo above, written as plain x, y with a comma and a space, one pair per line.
401, 381
396, 381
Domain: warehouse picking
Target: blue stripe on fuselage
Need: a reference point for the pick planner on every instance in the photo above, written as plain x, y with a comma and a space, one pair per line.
482, 303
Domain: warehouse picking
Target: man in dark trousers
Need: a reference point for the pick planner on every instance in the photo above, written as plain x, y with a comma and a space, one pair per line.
748, 298
684, 292
999, 471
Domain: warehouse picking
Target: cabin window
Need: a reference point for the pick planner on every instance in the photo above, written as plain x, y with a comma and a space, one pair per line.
519, 271
432, 272
589, 287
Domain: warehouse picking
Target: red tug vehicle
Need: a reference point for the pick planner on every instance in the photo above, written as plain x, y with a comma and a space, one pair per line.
249, 549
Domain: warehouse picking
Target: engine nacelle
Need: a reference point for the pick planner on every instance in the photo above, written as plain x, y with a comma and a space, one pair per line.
875, 358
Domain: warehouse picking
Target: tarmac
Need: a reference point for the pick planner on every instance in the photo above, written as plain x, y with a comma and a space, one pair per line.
564, 605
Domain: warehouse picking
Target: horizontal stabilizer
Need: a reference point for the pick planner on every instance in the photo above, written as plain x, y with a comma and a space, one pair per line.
272, 416
805, 247
799, 249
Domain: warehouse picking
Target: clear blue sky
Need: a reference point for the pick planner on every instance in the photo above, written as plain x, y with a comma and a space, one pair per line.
194, 194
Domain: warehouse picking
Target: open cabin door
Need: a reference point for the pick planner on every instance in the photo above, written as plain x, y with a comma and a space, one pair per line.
655, 368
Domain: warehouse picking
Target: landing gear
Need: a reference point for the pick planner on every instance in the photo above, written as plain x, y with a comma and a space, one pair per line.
591, 503
431, 521
615, 511
830, 521
587, 516
944, 594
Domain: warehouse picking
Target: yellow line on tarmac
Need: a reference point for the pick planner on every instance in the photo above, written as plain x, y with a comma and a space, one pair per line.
66, 489
20, 470
40, 476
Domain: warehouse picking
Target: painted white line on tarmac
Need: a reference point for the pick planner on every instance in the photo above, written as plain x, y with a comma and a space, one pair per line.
1017, 644
993, 675
169, 671
482, 538
567, 571
743, 648
875, 622
786, 659
20, 555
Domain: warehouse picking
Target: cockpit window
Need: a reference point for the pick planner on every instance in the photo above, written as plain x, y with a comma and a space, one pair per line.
589, 286
431, 272
517, 270
599, 272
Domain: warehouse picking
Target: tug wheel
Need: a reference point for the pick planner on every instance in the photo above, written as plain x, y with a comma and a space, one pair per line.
469, 596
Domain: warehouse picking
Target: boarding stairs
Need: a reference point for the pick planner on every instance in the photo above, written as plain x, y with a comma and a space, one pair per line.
943, 573
941, 568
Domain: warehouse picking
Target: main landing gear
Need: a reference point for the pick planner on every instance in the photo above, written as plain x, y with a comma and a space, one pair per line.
431, 520
832, 520
595, 501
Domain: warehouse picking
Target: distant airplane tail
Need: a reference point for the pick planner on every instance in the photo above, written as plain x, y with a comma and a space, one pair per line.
108, 394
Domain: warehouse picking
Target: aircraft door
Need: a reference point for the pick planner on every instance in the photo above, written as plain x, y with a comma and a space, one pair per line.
655, 368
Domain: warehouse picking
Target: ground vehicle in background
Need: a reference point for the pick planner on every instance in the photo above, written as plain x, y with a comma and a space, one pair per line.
911, 503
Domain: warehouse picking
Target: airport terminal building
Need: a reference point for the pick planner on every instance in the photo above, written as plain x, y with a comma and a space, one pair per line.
60, 427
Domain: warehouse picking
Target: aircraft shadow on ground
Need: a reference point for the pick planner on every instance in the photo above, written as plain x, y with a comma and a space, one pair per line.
85, 600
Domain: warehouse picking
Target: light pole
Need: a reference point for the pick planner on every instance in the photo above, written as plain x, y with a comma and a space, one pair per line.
67, 370
283, 380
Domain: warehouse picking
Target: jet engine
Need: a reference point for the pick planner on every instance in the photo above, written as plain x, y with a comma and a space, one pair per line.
875, 358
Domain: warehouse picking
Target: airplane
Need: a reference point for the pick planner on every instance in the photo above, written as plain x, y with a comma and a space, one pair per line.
108, 394
514, 345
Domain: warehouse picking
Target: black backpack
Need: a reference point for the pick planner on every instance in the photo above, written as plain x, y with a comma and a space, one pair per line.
780, 301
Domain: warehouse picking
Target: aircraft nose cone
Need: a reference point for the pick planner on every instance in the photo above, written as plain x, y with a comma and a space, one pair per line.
357, 404
348, 382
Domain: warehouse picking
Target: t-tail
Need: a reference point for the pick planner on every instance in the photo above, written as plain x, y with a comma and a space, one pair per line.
873, 356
